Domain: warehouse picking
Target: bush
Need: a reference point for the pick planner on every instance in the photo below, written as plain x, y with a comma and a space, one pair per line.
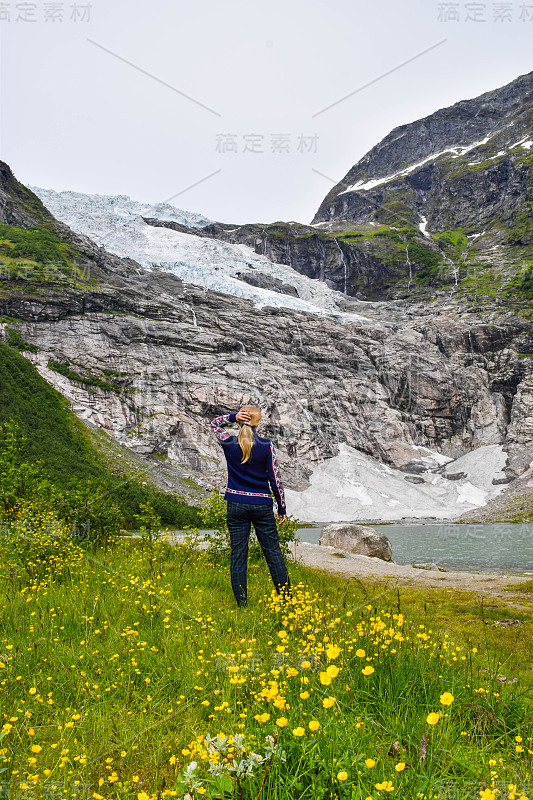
42, 548
37, 244
525, 284
14, 339
89, 380
149, 524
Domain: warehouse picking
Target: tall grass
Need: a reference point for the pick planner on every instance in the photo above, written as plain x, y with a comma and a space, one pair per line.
131, 672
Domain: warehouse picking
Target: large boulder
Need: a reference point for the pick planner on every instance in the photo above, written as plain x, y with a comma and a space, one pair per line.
357, 539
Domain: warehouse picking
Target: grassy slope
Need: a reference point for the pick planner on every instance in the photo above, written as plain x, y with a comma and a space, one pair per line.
132, 669
58, 438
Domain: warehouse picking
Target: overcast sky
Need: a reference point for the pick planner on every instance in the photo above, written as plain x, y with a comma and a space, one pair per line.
240, 106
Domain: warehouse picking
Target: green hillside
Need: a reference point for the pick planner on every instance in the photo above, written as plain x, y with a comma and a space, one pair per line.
64, 445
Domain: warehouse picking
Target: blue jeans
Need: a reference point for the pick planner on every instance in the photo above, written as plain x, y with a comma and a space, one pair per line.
240, 517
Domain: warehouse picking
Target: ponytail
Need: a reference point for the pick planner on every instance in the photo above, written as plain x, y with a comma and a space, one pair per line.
247, 432
246, 441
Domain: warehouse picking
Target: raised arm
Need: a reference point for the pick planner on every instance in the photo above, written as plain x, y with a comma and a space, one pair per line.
217, 426
274, 478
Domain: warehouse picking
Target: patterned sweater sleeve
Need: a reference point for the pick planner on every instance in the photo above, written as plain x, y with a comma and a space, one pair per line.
274, 478
217, 426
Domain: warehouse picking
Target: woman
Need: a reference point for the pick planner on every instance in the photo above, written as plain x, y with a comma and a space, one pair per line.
252, 469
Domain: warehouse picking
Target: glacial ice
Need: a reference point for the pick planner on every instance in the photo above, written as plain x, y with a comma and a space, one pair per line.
116, 223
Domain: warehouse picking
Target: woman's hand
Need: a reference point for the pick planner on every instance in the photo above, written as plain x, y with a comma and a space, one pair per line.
281, 518
242, 416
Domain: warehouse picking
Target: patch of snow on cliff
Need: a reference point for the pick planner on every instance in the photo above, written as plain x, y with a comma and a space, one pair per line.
456, 151
354, 486
422, 227
116, 223
520, 141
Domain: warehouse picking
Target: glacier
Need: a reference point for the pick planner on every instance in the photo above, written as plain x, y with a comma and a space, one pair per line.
116, 223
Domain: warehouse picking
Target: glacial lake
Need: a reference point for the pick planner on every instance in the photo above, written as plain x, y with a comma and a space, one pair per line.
499, 547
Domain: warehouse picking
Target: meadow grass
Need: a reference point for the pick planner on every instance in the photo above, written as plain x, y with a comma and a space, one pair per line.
117, 667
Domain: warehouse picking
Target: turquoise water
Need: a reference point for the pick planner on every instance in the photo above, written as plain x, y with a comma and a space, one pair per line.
500, 547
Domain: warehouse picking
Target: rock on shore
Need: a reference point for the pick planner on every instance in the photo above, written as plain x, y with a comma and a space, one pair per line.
357, 539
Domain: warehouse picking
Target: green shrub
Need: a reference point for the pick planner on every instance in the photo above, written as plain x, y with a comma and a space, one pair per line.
388, 233
37, 244
149, 523
14, 339
89, 380
455, 238
423, 256
522, 283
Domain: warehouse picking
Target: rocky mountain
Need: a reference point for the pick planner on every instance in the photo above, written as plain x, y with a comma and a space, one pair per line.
442, 204
468, 165
393, 362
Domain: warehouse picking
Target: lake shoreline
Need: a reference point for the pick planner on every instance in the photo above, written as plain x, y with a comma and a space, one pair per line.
489, 549
352, 566
402, 521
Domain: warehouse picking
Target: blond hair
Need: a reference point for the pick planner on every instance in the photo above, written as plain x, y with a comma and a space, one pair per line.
247, 432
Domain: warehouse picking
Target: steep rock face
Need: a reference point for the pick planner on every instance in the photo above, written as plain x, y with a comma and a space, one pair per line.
168, 371
464, 165
365, 267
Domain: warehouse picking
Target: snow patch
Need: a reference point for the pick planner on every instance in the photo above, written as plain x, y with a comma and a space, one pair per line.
355, 486
523, 139
422, 226
457, 151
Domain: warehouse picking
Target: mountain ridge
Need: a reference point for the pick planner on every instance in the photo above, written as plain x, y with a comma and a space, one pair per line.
481, 122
